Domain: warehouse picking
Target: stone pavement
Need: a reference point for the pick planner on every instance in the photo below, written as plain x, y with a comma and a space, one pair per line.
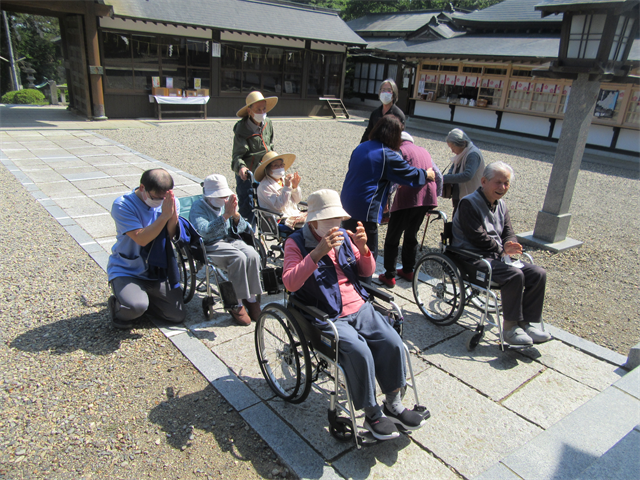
565, 409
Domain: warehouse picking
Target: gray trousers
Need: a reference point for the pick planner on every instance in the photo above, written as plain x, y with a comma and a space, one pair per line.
134, 297
369, 349
242, 264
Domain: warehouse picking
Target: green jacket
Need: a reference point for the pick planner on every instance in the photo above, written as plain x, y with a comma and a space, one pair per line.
249, 147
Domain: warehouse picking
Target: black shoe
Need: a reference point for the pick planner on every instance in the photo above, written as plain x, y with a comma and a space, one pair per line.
382, 428
408, 419
116, 322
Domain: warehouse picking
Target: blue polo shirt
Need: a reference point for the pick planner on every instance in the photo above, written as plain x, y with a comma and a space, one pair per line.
130, 213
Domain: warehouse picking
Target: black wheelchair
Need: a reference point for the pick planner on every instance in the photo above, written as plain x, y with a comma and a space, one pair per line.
448, 280
295, 356
192, 258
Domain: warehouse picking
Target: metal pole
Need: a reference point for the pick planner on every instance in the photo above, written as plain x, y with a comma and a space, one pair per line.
14, 74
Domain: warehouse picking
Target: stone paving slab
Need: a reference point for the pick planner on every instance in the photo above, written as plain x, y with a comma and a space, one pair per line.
621, 462
467, 430
488, 369
548, 398
98, 226
575, 364
397, 459
75, 207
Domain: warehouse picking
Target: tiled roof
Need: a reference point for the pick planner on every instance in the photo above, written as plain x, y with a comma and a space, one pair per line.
249, 16
509, 11
534, 46
392, 22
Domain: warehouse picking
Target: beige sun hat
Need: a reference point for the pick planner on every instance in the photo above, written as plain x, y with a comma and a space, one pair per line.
216, 186
325, 204
255, 97
270, 157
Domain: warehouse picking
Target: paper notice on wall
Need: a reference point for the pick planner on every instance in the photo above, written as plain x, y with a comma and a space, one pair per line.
169, 82
155, 82
197, 83
421, 87
405, 82
216, 50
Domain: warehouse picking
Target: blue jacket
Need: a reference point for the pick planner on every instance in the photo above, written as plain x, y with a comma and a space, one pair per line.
321, 290
372, 169
210, 223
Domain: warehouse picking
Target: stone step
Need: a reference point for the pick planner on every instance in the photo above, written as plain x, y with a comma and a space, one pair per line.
620, 462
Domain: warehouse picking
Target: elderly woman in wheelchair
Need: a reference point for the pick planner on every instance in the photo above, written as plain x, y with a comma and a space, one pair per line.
322, 264
215, 216
280, 192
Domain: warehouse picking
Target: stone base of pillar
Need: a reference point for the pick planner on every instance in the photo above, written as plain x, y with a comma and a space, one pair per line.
98, 112
527, 238
552, 227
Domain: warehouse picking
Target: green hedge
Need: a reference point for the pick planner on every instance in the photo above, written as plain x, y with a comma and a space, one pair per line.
23, 97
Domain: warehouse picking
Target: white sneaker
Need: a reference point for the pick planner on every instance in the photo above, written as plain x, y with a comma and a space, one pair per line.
517, 336
537, 335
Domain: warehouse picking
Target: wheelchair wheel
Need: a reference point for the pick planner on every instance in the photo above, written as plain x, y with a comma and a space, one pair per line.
340, 428
437, 289
283, 354
187, 267
207, 307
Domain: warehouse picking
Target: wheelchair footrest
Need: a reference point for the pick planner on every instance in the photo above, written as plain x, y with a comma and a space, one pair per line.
422, 410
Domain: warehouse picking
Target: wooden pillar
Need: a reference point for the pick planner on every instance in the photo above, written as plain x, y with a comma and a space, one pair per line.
93, 59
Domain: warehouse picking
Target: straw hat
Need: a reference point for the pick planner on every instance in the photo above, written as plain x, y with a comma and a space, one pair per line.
325, 204
270, 157
216, 186
254, 97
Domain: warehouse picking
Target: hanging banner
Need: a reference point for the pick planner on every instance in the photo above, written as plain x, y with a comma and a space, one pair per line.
471, 81
443, 79
460, 80
451, 80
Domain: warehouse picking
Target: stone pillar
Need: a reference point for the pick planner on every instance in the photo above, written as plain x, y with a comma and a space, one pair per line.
93, 57
553, 220
53, 90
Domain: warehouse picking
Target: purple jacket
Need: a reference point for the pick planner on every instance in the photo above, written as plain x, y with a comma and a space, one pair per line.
409, 197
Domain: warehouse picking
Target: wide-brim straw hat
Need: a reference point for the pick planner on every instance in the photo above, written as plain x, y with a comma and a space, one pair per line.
216, 186
270, 157
255, 97
325, 204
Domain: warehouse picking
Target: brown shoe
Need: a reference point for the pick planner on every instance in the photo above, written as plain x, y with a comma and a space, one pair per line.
239, 314
254, 309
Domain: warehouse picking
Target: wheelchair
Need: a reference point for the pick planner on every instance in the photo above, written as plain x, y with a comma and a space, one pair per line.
294, 356
192, 257
449, 280
270, 239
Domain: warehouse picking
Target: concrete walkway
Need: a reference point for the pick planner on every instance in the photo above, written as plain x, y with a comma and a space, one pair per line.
565, 409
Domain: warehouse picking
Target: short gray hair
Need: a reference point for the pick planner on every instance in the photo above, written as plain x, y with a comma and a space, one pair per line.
458, 138
394, 87
495, 167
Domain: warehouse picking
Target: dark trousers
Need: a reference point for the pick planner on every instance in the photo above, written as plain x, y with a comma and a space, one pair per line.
408, 221
245, 198
371, 228
522, 291
135, 297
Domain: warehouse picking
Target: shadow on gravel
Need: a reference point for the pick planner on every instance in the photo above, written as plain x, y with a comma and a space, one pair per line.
91, 333
205, 411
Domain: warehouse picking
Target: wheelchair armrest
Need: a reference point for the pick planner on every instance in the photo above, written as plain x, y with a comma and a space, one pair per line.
313, 311
377, 293
464, 253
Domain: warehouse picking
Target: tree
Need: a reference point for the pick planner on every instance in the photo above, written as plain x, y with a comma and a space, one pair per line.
32, 37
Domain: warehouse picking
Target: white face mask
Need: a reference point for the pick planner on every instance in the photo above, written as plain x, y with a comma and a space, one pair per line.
325, 225
386, 98
217, 202
259, 117
277, 173
151, 203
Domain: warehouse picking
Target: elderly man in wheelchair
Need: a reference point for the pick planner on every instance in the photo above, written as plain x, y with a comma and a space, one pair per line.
482, 226
322, 264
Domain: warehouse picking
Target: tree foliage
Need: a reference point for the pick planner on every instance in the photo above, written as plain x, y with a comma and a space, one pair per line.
32, 37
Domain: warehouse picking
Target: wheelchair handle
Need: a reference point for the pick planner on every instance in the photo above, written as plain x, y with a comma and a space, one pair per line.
377, 293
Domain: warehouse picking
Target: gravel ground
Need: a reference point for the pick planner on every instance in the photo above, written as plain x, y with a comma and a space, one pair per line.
592, 291
80, 400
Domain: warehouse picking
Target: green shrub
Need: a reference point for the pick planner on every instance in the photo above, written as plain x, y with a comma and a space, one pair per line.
23, 97
8, 97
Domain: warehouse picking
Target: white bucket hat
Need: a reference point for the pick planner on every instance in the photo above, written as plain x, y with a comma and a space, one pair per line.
216, 186
325, 204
